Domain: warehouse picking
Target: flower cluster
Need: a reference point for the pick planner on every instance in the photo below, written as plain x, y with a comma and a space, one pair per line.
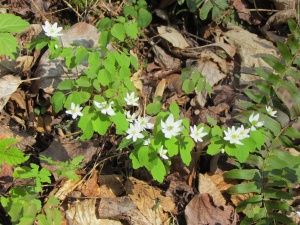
234, 136
137, 126
105, 107
170, 127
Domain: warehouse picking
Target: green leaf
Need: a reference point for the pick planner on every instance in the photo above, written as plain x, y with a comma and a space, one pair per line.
12, 23
8, 45
172, 145
104, 24
270, 77
188, 86
77, 98
12, 156
275, 64
153, 108
289, 94
292, 132
144, 18
215, 12
58, 100
250, 187
285, 52
130, 10
131, 29
80, 55
134, 159
111, 93
118, 31
104, 39
254, 96
83, 81
159, 171
193, 4
174, 109
221, 4
277, 194
186, 145
216, 131
279, 218
101, 123
38, 43
277, 205
124, 143
245, 174
254, 200
66, 84
85, 123
242, 153
215, 146
104, 77
210, 120
120, 121
205, 9
134, 62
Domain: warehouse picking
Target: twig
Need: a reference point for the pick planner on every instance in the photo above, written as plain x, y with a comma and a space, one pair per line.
259, 10
68, 4
38, 9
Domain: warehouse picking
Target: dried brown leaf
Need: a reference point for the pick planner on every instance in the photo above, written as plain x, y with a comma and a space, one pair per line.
159, 91
201, 211
90, 188
145, 197
84, 212
8, 85
113, 183
173, 36
206, 185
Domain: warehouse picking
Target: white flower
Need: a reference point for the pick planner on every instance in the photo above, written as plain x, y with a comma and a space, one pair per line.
131, 100
254, 121
298, 213
75, 110
100, 105
105, 107
171, 128
232, 136
242, 132
163, 153
134, 132
197, 134
222, 150
130, 117
146, 142
52, 30
270, 111
143, 122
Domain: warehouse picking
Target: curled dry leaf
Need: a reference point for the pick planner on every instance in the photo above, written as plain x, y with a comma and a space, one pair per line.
173, 36
8, 85
159, 91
